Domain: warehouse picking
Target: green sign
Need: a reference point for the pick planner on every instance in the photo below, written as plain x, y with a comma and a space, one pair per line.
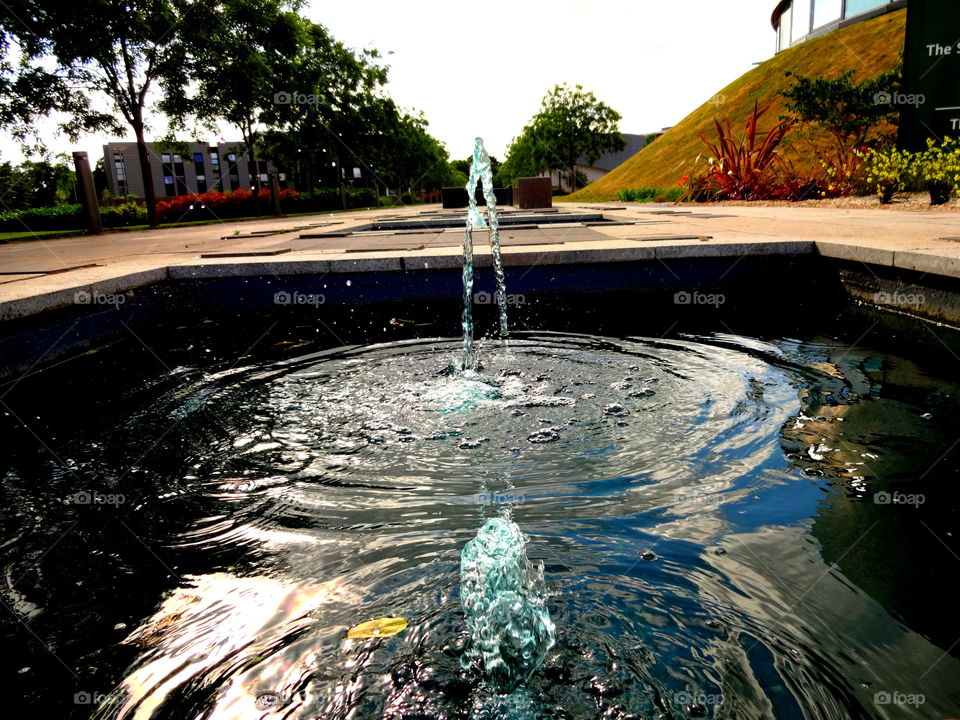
929, 101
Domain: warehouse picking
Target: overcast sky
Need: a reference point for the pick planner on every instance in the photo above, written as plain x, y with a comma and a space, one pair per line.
653, 61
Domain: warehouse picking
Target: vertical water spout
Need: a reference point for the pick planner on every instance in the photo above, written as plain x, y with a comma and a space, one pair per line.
481, 172
469, 361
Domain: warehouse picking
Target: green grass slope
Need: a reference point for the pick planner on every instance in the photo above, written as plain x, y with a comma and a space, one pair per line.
868, 48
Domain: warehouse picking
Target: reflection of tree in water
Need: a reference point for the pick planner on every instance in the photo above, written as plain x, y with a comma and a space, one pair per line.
862, 430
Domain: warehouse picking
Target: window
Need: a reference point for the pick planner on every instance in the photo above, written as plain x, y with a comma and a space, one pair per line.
198, 157
800, 24
168, 179
121, 173
165, 158
855, 7
783, 40
826, 11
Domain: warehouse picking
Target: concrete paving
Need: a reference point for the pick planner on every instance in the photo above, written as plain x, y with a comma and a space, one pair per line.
40, 275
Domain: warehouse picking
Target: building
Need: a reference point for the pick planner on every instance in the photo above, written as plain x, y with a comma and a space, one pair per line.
602, 165
203, 168
799, 20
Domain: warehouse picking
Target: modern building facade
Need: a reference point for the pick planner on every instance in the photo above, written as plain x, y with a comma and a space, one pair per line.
799, 20
202, 168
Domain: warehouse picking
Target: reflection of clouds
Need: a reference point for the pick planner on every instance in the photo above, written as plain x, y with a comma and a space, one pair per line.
229, 629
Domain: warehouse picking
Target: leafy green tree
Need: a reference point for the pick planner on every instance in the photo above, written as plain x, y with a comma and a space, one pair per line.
414, 159
848, 111
119, 48
523, 160
342, 119
234, 63
572, 124
30, 91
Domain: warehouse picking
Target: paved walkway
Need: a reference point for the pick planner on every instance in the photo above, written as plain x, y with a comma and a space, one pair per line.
39, 275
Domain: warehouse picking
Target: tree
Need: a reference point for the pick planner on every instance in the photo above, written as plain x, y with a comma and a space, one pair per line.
29, 91
36, 183
572, 124
115, 47
523, 160
233, 62
338, 116
848, 111
413, 158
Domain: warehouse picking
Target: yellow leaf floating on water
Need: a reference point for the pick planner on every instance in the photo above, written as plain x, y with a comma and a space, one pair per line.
381, 627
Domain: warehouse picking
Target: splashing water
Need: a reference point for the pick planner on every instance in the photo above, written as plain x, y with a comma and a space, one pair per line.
502, 597
481, 172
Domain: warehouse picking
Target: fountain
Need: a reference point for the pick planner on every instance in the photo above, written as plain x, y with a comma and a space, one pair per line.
480, 172
510, 629
502, 597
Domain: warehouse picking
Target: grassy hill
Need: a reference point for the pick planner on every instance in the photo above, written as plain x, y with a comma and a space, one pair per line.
868, 48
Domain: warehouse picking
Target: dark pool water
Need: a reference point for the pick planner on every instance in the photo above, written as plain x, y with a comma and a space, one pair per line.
729, 525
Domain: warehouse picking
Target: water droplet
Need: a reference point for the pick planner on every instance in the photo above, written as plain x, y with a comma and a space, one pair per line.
927, 416
472, 444
268, 701
544, 436
616, 410
648, 555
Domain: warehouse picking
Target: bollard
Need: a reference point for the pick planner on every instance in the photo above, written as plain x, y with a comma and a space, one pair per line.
275, 193
88, 196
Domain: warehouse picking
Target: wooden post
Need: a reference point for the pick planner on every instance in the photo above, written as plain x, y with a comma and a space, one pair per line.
88, 195
275, 193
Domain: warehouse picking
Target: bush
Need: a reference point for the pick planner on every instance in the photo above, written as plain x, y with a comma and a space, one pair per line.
936, 169
652, 194
387, 201
129, 213
56, 217
130, 210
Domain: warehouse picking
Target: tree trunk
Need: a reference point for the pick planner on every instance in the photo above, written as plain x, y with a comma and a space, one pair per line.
312, 182
149, 194
255, 185
573, 176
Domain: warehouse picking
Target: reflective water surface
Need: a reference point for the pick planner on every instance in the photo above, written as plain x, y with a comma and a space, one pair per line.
727, 526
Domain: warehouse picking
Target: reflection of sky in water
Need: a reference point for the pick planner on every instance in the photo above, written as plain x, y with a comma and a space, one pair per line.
675, 533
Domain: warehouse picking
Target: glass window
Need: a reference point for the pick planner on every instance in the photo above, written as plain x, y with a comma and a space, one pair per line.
198, 157
855, 7
201, 178
214, 160
168, 179
800, 25
165, 158
783, 41
177, 159
231, 157
826, 11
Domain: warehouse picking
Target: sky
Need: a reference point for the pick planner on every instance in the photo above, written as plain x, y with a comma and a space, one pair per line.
653, 61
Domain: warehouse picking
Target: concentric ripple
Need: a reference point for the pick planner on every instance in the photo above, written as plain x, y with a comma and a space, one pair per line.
673, 491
